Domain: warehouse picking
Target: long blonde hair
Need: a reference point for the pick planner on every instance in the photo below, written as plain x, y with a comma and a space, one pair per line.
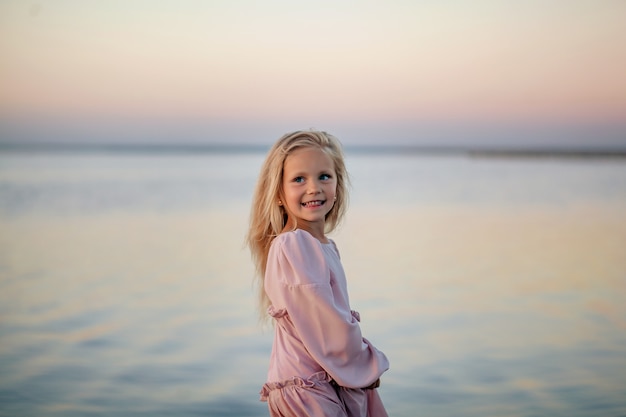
268, 218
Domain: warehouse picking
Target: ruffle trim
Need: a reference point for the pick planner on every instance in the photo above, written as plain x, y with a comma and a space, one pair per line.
296, 381
278, 313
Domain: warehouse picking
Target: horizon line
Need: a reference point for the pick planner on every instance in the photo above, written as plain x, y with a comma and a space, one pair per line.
371, 149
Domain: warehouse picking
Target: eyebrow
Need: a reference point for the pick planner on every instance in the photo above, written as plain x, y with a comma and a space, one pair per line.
303, 173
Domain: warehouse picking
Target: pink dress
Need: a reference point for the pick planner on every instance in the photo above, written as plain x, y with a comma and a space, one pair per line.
320, 361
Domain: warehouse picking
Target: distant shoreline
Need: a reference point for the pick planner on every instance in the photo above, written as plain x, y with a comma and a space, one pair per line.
491, 152
222, 148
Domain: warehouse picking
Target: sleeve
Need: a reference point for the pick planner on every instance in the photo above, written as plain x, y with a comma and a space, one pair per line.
329, 330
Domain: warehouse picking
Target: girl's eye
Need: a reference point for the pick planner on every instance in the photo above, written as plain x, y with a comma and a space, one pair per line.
325, 177
298, 179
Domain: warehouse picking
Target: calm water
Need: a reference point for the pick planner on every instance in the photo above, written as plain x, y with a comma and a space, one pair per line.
495, 286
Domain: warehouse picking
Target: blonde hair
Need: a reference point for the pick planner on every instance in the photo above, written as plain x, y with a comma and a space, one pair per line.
268, 218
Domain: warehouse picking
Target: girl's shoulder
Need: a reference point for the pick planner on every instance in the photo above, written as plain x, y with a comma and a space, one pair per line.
301, 241
295, 239
297, 258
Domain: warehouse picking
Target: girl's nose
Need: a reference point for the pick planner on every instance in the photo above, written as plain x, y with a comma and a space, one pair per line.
314, 187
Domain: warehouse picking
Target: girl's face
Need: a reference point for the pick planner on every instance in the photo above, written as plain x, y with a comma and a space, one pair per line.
309, 188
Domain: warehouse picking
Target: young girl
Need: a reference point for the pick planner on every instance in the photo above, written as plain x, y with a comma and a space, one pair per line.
320, 364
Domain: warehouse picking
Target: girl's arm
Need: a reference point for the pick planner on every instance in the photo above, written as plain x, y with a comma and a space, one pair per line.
328, 330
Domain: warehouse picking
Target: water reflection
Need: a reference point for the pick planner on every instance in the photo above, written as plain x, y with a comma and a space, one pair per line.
144, 306
495, 312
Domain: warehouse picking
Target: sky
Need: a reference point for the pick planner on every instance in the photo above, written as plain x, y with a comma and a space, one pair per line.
448, 72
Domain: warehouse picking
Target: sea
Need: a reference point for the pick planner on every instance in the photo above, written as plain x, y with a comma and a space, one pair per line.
494, 283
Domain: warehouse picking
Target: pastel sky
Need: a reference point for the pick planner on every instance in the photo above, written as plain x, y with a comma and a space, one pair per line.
406, 71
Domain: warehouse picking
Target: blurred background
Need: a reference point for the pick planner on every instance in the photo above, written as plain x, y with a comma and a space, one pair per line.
484, 246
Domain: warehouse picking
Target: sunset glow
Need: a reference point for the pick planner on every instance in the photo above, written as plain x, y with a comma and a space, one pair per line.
228, 67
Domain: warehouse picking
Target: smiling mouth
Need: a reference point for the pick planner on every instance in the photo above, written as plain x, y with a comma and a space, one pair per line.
314, 203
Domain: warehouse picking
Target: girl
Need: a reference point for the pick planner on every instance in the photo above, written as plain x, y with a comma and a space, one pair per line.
320, 364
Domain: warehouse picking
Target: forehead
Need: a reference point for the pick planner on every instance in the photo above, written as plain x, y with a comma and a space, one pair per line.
308, 159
